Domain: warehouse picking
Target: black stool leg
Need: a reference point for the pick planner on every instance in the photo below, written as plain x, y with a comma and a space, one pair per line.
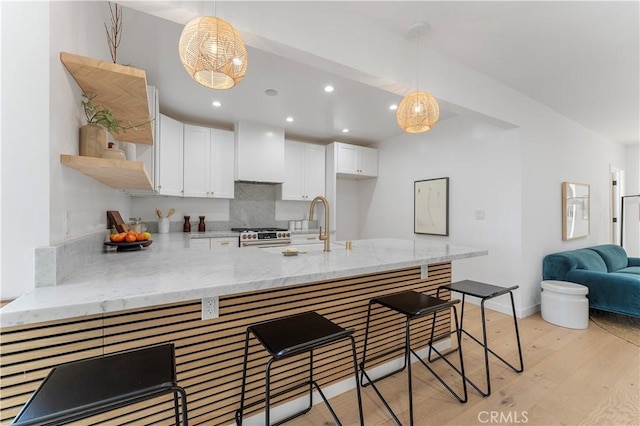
407, 361
515, 324
239, 413
486, 350
175, 408
485, 345
355, 370
183, 399
364, 374
460, 371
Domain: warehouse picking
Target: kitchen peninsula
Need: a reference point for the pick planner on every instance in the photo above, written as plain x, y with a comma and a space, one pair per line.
132, 299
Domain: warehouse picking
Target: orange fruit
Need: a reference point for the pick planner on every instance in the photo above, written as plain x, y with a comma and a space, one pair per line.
130, 238
116, 238
140, 237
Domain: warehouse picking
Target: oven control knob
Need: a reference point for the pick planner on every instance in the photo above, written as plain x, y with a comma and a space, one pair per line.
244, 237
279, 234
254, 236
288, 234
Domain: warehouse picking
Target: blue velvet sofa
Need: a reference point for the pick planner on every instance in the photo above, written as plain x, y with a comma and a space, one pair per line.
612, 277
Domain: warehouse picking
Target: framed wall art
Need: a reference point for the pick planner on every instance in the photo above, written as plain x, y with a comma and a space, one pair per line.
575, 210
431, 206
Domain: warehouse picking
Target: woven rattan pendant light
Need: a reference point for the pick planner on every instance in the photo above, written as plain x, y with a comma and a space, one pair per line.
419, 111
213, 52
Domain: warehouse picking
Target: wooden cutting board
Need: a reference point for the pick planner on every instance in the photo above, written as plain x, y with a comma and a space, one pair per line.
114, 219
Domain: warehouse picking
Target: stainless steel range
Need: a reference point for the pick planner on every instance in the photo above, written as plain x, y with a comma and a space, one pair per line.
263, 237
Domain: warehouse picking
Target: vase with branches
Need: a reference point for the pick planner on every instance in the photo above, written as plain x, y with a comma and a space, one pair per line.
115, 32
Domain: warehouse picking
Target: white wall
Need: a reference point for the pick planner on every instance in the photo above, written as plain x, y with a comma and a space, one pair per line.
44, 202
25, 135
78, 202
513, 176
631, 239
482, 163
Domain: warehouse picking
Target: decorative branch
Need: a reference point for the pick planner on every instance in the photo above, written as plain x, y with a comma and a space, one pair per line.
114, 35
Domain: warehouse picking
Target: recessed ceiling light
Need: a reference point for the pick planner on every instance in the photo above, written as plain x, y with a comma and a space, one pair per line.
271, 92
393, 107
328, 89
290, 119
345, 130
216, 104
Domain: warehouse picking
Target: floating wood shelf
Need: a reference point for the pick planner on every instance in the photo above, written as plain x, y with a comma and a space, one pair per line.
118, 174
120, 88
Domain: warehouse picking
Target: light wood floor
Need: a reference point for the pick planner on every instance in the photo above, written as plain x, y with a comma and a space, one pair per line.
571, 377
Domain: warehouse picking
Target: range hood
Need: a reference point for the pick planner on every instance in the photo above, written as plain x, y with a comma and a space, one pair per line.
259, 152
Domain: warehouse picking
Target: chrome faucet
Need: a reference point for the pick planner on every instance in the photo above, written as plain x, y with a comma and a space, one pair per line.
323, 237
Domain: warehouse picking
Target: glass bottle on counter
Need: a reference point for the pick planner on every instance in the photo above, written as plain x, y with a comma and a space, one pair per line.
201, 225
187, 225
135, 224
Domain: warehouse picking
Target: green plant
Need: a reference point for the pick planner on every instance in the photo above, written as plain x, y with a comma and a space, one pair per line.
98, 114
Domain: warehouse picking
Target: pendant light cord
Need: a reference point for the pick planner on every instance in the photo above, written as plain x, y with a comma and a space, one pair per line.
418, 60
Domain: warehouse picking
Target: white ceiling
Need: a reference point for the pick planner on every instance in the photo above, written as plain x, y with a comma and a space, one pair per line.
579, 58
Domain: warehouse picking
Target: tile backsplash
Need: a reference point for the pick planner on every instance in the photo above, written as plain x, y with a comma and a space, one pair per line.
254, 204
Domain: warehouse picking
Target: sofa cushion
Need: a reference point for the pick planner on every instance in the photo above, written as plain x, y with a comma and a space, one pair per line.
635, 270
614, 256
589, 260
556, 266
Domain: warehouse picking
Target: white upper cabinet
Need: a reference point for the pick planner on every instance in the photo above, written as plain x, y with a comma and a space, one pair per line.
259, 150
197, 142
169, 165
314, 173
208, 162
221, 172
354, 160
304, 171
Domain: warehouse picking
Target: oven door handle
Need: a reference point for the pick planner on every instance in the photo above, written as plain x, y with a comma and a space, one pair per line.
265, 243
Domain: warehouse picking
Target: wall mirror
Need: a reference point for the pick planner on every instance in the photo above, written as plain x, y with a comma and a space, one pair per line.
575, 210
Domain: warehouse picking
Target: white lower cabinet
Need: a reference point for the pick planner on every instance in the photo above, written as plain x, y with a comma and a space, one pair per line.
301, 239
200, 243
214, 243
208, 162
304, 171
224, 243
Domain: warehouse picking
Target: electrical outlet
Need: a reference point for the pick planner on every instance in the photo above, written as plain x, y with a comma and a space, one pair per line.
210, 307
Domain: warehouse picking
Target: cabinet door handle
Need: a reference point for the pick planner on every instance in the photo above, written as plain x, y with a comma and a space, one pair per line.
311, 238
224, 243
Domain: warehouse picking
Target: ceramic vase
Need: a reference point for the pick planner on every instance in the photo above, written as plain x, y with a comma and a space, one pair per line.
93, 140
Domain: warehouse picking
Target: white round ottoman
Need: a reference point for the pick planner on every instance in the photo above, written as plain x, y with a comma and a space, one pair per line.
565, 304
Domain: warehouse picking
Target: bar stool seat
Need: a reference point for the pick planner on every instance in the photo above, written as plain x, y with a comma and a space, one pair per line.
485, 292
80, 389
412, 305
289, 336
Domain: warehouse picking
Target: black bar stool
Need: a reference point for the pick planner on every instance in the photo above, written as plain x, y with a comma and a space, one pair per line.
485, 292
81, 389
412, 305
293, 335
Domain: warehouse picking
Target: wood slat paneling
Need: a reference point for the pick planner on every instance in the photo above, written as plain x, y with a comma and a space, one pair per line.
209, 353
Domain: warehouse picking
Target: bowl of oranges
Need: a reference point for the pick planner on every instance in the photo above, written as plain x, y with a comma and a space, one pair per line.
129, 241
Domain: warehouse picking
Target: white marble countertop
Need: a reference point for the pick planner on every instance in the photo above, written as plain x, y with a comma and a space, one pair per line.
167, 272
